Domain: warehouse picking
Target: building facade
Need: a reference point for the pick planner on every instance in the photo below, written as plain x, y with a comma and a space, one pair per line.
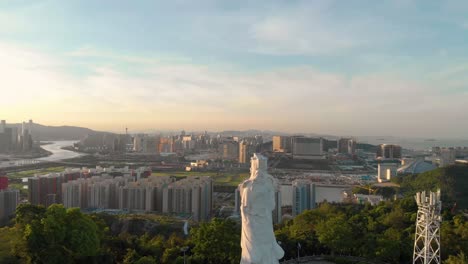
304, 196
388, 151
3, 182
307, 148
9, 200
281, 144
386, 170
189, 197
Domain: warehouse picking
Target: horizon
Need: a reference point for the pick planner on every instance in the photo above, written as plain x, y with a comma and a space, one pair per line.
356, 68
366, 138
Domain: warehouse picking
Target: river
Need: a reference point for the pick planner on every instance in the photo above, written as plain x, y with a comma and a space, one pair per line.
58, 153
55, 147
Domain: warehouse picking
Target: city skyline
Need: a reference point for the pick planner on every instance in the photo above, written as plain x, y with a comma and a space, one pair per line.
355, 68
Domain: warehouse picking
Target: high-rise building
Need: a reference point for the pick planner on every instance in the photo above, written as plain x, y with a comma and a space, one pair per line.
74, 194
346, 146
243, 154
132, 197
386, 170
25, 138
138, 143
343, 145
6, 141
303, 196
122, 143
150, 144
47, 189
352, 147
42, 189
95, 192
277, 214
281, 144
11, 140
307, 148
2, 126
144, 195
237, 199
9, 200
188, 142
246, 150
105, 142
388, 151
146, 144
447, 157
329, 144
229, 150
461, 152
166, 145
3, 182
191, 196
4, 138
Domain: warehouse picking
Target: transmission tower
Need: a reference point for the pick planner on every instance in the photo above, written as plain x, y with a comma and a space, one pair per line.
427, 238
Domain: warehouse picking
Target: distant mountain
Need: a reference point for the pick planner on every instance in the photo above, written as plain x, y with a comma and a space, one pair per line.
251, 132
49, 133
367, 147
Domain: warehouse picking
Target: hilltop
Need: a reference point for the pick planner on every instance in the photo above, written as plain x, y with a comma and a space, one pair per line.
49, 133
452, 180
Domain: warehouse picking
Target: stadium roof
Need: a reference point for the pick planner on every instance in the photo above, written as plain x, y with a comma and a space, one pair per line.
417, 166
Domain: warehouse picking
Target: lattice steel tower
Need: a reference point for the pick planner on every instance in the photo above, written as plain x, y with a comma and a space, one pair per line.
427, 238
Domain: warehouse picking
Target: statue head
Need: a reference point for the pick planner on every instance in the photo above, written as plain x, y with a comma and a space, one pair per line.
258, 162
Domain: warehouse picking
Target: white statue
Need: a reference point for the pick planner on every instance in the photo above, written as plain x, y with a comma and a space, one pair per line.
258, 241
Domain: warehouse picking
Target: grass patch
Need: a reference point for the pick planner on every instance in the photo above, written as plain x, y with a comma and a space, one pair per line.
31, 173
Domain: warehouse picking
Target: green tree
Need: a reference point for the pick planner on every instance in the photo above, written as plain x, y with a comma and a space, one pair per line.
172, 248
302, 230
56, 235
458, 259
27, 213
217, 242
8, 237
146, 260
82, 237
131, 257
335, 233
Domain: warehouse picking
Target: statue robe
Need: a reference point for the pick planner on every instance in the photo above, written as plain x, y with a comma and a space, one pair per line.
258, 241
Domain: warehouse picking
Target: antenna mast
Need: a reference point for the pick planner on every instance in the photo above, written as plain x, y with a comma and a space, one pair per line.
427, 237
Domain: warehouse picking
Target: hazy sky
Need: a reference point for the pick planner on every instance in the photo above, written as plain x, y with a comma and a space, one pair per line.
338, 67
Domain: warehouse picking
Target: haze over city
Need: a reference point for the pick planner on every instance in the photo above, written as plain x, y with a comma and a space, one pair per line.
344, 68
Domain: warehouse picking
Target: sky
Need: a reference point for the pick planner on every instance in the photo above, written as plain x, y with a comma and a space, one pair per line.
354, 68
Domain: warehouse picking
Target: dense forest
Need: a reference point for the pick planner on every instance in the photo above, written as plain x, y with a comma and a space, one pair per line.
379, 234
452, 180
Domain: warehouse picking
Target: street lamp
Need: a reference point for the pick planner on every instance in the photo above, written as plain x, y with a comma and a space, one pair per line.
298, 250
184, 249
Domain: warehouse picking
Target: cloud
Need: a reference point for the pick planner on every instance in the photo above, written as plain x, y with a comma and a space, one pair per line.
314, 28
176, 95
88, 51
283, 36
